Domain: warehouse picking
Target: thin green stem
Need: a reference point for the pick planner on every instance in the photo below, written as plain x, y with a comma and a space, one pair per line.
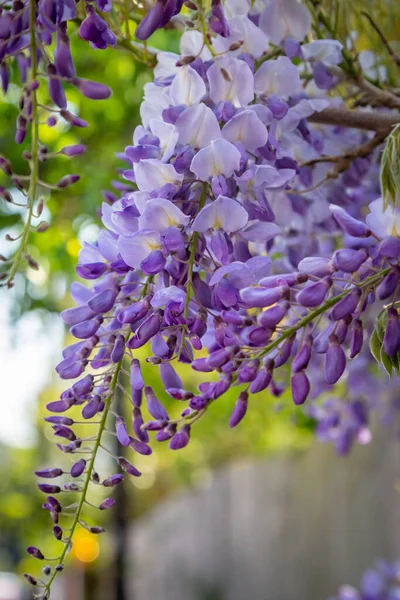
34, 162
89, 471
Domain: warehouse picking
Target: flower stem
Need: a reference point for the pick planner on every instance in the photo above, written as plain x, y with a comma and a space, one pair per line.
89, 471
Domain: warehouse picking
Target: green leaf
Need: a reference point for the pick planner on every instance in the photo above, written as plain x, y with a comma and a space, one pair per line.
375, 346
390, 170
386, 362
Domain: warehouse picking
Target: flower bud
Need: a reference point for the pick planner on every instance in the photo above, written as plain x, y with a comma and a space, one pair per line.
391, 339
239, 410
300, 387
335, 361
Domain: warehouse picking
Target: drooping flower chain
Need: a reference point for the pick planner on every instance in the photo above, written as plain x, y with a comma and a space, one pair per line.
203, 257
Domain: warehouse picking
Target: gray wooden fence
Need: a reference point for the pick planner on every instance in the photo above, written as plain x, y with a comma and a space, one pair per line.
287, 528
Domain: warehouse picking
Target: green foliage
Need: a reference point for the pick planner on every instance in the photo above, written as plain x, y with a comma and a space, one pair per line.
390, 170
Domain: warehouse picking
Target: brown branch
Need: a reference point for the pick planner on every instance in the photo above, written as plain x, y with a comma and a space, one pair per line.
393, 54
370, 121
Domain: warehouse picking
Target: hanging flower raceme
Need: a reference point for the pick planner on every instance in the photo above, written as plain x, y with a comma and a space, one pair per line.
202, 258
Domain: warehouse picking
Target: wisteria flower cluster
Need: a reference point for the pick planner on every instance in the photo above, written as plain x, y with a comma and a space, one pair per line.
380, 583
251, 241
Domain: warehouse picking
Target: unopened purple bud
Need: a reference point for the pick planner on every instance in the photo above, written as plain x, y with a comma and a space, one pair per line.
56, 90
83, 386
134, 312
21, 129
67, 180
96, 529
52, 121
153, 263
47, 488
390, 247
219, 357
335, 361
154, 406
202, 365
259, 297
314, 293
391, 340
121, 431
388, 285
179, 394
46, 570
349, 260
49, 473
73, 119
249, 371
118, 349
303, 356
198, 402
262, 381
136, 377
181, 438
128, 467
74, 150
78, 468
316, 265
91, 408
57, 532
59, 420
92, 89
35, 552
274, 315
103, 301
112, 480
146, 331
300, 387
140, 447
356, 339
346, 305
239, 410
86, 329
137, 422
107, 503
349, 224
64, 432
30, 579
73, 316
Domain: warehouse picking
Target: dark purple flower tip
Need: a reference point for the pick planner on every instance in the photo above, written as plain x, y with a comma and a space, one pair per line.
349, 224
49, 473
54, 504
35, 552
75, 150
262, 381
67, 180
154, 406
73, 119
155, 425
198, 402
59, 406
181, 438
86, 329
201, 364
107, 503
300, 387
349, 260
92, 408
30, 579
314, 294
346, 305
136, 377
47, 488
46, 570
78, 468
335, 361
103, 301
59, 420
357, 338
128, 467
179, 394
112, 480
388, 286
59, 568
146, 331
272, 316
73, 316
83, 386
219, 357
390, 247
92, 89
96, 529
140, 447
56, 90
391, 339
303, 356
239, 410
254, 297
121, 431
64, 432
57, 532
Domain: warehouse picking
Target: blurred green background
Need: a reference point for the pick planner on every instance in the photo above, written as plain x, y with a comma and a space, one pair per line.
32, 335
